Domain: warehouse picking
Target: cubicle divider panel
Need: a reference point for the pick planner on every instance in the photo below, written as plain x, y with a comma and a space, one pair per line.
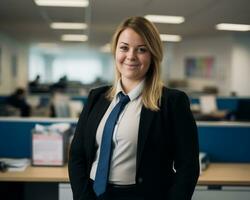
15, 136
230, 104
225, 143
2, 99
223, 103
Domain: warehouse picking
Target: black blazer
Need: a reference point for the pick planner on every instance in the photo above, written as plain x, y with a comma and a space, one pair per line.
165, 137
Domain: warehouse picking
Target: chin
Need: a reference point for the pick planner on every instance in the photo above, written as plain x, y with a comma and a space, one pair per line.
131, 77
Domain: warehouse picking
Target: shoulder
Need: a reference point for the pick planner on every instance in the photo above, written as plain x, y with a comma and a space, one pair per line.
100, 90
173, 96
175, 104
97, 92
95, 95
173, 93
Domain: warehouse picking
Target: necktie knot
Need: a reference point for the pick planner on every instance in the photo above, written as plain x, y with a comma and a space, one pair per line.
124, 99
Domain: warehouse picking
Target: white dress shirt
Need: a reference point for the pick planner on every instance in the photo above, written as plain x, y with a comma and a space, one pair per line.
123, 161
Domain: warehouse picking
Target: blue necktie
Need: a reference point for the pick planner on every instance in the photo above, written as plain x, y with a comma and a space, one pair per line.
102, 172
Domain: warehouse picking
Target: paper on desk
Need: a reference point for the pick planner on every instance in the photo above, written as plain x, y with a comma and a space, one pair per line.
57, 127
208, 104
16, 164
203, 161
47, 149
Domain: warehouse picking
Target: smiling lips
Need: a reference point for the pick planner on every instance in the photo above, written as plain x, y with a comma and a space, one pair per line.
131, 65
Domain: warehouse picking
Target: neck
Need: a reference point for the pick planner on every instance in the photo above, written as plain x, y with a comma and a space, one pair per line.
129, 85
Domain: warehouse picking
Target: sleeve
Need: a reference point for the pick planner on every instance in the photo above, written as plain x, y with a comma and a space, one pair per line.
186, 150
77, 161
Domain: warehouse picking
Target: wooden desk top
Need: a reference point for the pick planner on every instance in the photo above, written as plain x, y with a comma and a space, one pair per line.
216, 174
226, 174
37, 174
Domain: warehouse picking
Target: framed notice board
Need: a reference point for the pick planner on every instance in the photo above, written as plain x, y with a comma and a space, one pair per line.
200, 67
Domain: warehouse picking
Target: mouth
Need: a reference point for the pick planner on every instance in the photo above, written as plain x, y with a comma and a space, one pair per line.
132, 64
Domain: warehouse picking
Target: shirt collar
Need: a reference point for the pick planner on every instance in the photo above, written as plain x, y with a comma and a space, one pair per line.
133, 94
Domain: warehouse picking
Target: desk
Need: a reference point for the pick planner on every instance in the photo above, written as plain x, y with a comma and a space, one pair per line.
216, 174
37, 174
224, 182
230, 175
35, 183
219, 115
226, 174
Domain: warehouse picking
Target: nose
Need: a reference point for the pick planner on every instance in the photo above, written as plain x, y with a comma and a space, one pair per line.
131, 55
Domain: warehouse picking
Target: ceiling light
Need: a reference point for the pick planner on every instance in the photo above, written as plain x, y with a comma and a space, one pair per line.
233, 27
74, 37
63, 3
170, 38
165, 19
65, 25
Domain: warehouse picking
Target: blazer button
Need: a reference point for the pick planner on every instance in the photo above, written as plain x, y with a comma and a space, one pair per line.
140, 180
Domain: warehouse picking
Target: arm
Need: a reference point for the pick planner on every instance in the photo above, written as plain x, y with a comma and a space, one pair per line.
186, 150
77, 161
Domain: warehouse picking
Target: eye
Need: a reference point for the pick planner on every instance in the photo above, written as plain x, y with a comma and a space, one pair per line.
142, 50
123, 48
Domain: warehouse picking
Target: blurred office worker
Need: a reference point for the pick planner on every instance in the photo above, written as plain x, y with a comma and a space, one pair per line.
18, 100
136, 139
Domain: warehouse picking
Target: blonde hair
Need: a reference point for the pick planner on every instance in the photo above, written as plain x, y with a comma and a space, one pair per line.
152, 92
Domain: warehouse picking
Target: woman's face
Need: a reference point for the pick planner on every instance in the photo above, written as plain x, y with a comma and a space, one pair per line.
132, 57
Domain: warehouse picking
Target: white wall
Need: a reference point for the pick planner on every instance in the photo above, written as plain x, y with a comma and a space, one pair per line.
167, 61
240, 76
220, 48
232, 62
8, 83
83, 64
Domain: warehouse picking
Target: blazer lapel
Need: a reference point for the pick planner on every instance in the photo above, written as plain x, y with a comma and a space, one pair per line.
144, 126
96, 115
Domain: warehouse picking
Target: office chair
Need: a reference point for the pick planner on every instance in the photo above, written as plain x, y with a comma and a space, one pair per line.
243, 110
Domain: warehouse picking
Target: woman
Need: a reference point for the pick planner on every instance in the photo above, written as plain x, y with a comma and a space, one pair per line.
154, 151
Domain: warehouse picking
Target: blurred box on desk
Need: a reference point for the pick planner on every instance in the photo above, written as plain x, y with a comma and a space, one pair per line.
203, 161
50, 144
207, 109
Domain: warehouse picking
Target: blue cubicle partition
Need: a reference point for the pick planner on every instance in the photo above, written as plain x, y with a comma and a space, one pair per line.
223, 141
2, 98
228, 142
223, 103
15, 136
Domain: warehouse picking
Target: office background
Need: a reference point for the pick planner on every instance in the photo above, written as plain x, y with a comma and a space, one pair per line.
202, 60
30, 47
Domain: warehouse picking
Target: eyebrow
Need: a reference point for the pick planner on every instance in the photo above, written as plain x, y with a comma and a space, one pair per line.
140, 45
